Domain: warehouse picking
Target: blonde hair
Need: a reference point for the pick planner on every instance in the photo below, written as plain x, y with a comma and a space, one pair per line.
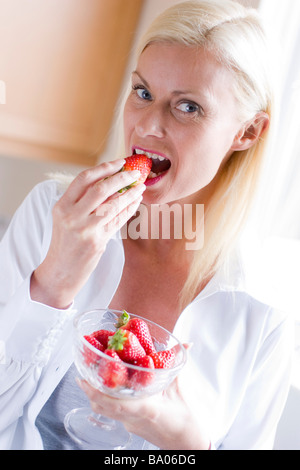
235, 35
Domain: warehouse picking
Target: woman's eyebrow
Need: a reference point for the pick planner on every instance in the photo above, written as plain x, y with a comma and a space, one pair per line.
175, 92
135, 72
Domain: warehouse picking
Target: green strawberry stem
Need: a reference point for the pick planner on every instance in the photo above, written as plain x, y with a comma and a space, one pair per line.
125, 189
123, 320
117, 341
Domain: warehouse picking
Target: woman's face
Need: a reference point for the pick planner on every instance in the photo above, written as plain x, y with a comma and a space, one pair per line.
182, 111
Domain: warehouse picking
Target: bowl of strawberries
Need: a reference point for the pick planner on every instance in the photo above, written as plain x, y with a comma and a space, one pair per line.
125, 355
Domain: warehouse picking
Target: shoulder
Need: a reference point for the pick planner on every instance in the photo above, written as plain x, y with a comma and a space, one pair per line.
262, 287
40, 200
34, 214
47, 191
247, 291
270, 272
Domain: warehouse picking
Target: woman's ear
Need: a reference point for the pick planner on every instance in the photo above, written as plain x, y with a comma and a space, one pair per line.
251, 132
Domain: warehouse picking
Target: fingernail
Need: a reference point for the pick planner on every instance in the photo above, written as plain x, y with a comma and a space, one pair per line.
140, 187
80, 383
135, 174
119, 161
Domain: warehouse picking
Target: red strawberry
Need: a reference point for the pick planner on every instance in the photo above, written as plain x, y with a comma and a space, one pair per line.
102, 336
140, 378
141, 330
137, 162
91, 357
126, 344
163, 359
113, 373
94, 341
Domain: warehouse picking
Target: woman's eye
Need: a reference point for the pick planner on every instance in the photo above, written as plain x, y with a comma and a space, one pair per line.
143, 93
188, 108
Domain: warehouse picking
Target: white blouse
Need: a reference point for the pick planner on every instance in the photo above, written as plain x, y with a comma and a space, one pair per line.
238, 372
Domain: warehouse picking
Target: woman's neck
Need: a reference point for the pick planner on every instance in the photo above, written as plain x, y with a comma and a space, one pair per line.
175, 226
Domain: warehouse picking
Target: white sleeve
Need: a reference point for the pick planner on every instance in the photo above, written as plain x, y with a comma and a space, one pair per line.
255, 425
28, 330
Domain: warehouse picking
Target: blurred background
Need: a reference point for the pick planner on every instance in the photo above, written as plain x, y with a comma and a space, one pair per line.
63, 67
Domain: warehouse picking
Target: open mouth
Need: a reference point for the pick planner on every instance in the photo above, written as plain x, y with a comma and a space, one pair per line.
160, 164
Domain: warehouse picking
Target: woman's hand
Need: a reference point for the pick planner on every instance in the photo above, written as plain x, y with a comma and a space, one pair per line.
165, 420
89, 213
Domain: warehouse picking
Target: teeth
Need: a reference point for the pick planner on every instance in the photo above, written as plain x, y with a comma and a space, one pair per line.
153, 156
153, 175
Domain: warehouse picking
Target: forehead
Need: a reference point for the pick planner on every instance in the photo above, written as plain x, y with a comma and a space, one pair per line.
192, 69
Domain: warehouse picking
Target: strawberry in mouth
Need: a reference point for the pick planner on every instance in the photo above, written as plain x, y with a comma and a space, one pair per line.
160, 165
151, 166
139, 162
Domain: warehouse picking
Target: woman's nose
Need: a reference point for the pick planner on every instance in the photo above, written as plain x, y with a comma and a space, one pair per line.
151, 123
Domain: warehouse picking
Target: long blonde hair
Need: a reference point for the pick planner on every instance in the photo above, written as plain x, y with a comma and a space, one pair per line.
235, 35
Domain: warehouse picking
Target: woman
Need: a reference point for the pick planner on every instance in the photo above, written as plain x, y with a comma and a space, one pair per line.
200, 100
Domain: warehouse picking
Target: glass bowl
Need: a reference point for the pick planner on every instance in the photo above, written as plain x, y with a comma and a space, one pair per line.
115, 378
